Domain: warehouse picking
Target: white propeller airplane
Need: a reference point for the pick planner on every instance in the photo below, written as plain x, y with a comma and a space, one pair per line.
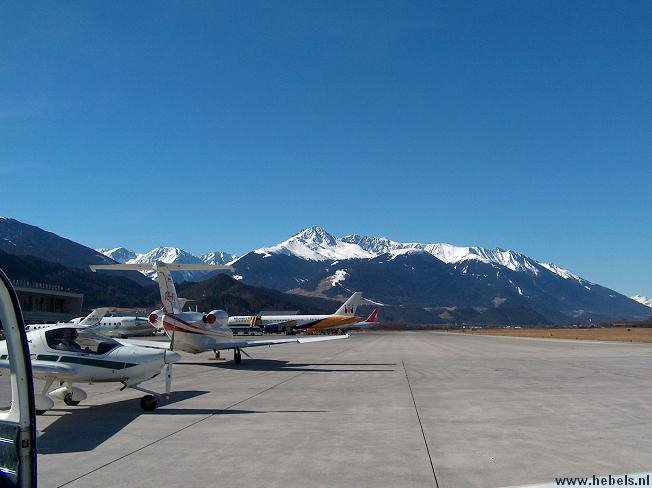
196, 332
71, 354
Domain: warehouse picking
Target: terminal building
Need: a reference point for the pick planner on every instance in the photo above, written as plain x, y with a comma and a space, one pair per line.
47, 303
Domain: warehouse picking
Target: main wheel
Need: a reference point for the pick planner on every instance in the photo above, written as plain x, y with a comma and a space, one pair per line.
67, 399
237, 357
148, 403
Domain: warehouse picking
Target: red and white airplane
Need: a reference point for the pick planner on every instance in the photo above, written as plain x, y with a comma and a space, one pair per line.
370, 321
196, 332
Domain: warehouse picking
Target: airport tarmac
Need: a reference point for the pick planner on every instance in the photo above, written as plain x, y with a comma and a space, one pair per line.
381, 409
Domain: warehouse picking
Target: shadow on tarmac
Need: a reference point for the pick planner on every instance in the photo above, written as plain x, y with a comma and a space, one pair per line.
84, 428
281, 365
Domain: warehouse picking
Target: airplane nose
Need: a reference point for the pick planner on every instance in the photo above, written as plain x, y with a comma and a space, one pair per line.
171, 357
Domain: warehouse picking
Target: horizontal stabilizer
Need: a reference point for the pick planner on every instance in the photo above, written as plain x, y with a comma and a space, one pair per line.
145, 343
161, 265
274, 342
236, 344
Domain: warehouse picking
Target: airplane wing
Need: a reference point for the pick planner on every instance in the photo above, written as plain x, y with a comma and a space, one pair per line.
273, 342
145, 343
45, 367
236, 344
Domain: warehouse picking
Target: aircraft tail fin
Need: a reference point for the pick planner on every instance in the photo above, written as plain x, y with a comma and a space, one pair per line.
351, 305
95, 316
373, 318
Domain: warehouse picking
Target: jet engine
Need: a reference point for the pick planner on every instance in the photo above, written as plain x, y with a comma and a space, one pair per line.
216, 318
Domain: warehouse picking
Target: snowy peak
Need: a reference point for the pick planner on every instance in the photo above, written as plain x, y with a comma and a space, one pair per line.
119, 254
218, 257
644, 300
373, 245
167, 255
564, 273
315, 244
315, 236
446, 252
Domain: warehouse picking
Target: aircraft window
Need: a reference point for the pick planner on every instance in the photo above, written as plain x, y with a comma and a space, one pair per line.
83, 341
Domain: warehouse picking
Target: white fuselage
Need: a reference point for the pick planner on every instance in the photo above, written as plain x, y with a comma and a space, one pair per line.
299, 320
124, 327
310, 322
191, 334
122, 363
109, 326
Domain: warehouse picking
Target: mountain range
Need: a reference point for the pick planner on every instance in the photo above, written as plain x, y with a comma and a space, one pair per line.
169, 255
434, 281
416, 282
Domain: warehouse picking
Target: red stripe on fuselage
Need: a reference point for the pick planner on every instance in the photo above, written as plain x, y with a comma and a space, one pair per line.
171, 327
178, 319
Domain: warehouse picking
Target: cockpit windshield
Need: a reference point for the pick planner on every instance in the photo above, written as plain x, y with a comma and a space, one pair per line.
79, 340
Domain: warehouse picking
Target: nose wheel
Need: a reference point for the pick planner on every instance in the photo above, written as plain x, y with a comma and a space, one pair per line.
149, 403
237, 356
67, 399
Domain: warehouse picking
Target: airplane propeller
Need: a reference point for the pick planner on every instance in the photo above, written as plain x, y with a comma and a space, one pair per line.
168, 379
168, 371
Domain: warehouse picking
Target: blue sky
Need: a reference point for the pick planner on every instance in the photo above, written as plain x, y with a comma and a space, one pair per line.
229, 126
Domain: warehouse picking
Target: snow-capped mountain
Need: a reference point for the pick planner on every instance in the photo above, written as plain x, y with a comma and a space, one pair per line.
119, 254
218, 257
429, 275
316, 244
462, 281
644, 300
169, 255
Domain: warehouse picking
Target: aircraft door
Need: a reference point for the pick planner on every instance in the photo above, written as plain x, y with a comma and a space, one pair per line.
17, 415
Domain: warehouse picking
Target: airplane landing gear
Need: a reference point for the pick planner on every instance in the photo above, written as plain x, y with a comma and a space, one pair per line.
67, 399
237, 356
71, 395
148, 403
217, 354
42, 400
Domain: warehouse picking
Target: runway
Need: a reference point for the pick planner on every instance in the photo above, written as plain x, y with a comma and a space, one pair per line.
417, 409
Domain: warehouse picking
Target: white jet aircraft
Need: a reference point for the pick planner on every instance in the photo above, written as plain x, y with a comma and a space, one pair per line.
92, 319
343, 318
196, 332
122, 327
74, 354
